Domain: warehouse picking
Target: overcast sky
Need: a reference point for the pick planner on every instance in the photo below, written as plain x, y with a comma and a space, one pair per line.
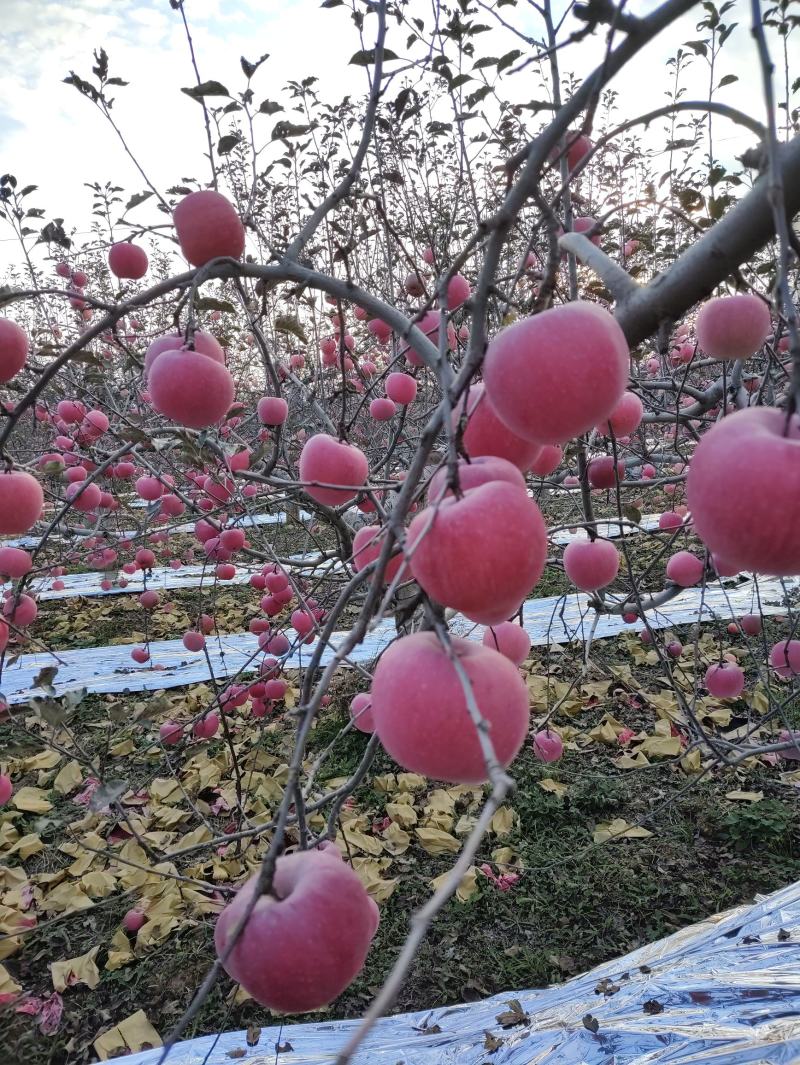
51, 137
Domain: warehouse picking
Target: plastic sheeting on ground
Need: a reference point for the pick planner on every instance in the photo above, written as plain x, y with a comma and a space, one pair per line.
558, 619
725, 991
126, 534
163, 578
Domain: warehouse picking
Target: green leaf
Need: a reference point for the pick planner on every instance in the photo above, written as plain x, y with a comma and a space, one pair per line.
208, 303
136, 199
207, 88
508, 59
284, 130
228, 143
250, 68
285, 323
366, 57
729, 79
269, 107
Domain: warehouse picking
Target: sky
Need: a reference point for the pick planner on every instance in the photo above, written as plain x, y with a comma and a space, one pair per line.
51, 137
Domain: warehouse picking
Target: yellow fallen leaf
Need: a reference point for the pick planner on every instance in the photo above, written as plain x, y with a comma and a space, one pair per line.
465, 824
440, 801
81, 970
133, 1034
468, 885
26, 846
396, 841
8, 986
744, 796
43, 760
503, 821
97, 884
618, 829
359, 841
435, 841
410, 781
369, 870
385, 783
403, 813
68, 778
505, 856
631, 760
660, 747
120, 952
692, 762
607, 730
124, 747
32, 801
555, 787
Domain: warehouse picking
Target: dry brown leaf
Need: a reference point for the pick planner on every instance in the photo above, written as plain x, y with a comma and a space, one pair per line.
503, 821
133, 1034
81, 970
555, 787
8, 986
31, 801
744, 796
618, 829
68, 778
468, 885
435, 841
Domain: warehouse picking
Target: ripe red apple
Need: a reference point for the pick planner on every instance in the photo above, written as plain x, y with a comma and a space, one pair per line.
401, 388
547, 461
272, 410
361, 712
425, 725
315, 928
785, 658
133, 920
625, 417
190, 389
604, 472
382, 409
725, 680
733, 327
751, 624
13, 349
6, 788
743, 489
14, 562
480, 554
482, 470
331, 462
127, 261
485, 433
557, 374
208, 227
367, 545
510, 639
685, 569
21, 501
591, 564
548, 746
458, 291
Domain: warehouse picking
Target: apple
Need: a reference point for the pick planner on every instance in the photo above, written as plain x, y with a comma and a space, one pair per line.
510, 639
330, 462
743, 489
420, 709
591, 564
304, 943
208, 227
733, 327
555, 375
485, 433
480, 554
